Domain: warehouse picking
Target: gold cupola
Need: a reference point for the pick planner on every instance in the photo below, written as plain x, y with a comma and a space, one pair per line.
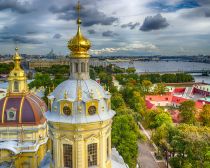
79, 45
17, 78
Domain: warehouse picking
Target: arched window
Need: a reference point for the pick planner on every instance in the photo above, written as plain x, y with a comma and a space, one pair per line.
66, 110
52, 149
67, 156
92, 154
70, 66
83, 67
16, 86
76, 67
108, 146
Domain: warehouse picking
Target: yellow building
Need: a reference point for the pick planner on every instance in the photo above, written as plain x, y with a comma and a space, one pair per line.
23, 127
80, 116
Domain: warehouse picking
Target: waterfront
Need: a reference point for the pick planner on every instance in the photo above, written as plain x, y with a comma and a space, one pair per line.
167, 66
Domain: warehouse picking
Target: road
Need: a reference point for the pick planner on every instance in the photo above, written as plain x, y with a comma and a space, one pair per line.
145, 158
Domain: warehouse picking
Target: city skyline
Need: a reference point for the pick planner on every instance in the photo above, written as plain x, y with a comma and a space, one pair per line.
146, 27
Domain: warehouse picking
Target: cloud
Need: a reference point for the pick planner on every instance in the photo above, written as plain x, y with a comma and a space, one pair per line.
172, 6
130, 25
154, 23
19, 39
135, 46
109, 34
91, 31
57, 36
207, 13
90, 15
15, 6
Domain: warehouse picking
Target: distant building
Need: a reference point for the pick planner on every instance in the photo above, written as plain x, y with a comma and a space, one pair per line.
51, 55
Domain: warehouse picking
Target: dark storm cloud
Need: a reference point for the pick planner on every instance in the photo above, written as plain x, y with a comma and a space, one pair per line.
207, 13
57, 36
31, 32
19, 39
154, 23
91, 31
109, 34
15, 6
90, 15
130, 25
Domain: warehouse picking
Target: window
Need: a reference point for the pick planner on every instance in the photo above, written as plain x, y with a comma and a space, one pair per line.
11, 114
92, 154
67, 155
25, 165
92, 110
66, 110
52, 150
16, 86
107, 145
76, 67
83, 67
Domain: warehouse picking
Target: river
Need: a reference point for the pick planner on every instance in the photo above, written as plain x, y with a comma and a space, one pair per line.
168, 66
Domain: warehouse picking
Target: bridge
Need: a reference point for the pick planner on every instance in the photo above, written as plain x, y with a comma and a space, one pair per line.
205, 72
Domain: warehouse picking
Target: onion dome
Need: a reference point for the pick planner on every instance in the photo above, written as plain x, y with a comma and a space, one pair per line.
22, 110
17, 71
79, 45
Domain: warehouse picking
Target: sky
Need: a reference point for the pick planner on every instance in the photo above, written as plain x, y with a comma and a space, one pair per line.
115, 27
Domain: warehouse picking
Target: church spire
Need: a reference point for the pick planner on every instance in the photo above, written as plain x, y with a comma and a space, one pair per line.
79, 45
17, 78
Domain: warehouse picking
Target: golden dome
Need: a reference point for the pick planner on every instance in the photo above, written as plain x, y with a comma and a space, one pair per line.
79, 45
17, 71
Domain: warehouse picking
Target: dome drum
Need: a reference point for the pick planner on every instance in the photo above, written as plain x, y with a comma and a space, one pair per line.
93, 106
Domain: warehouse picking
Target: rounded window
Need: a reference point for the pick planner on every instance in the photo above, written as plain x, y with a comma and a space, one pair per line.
92, 110
66, 110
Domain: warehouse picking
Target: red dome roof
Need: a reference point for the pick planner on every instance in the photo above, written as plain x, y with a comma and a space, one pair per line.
22, 110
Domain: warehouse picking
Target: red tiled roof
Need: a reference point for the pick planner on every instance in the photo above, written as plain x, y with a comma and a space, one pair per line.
179, 90
199, 105
149, 105
178, 100
167, 97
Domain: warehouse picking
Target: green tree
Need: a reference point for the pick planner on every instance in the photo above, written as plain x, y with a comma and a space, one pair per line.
92, 74
125, 134
131, 70
158, 117
160, 88
146, 84
205, 115
187, 111
117, 101
41, 80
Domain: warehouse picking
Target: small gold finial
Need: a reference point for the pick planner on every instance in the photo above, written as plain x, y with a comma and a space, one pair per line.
65, 95
91, 93
79, 93
17, 58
